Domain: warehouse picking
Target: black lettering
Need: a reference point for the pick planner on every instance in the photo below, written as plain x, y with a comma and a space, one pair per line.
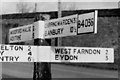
106, 52
56, 57
6, 58
69, 51
58, 31
86, 22
89, 51
83, 51
75, 57
62, 22
62, 57
29, 29
16, 58
67, 57
17, 37
21, 48
71, 29
98, 51
2, 47
78, 52
71, 57
82, 24
92, 22
17, 31
89, 23
64, 51
13, 32
11, 58
11, 47
1, 58
29, 48
1, 52
30, 53
74, 50
20, 31
57, 50
107, 58
6, 48
18, 48
61, 30
29, 59
79, 23
54, 32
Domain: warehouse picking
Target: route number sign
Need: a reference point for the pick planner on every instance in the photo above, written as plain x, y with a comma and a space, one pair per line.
87, 23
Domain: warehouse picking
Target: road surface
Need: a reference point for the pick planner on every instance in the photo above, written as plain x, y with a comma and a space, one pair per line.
25, 70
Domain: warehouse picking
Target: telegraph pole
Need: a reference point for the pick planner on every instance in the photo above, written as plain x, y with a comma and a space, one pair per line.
59, 40
119, 46
42, 70
35, 10
1, 43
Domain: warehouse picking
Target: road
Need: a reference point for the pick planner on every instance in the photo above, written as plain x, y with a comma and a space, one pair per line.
25, 70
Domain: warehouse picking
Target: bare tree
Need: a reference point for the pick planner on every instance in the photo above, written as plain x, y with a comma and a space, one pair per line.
23, 7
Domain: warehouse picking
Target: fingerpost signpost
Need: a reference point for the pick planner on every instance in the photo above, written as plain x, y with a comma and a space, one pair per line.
42, 70
42, 53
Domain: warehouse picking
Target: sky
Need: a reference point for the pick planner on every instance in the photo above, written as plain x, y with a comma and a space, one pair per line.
9, 6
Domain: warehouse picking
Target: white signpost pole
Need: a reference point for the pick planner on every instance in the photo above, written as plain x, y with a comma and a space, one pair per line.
42, 70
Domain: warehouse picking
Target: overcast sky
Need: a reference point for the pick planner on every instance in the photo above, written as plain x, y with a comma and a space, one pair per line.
9, 6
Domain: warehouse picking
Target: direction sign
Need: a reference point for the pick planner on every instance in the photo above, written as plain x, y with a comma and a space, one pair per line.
18, 53
61, 27
65, 26
19, 34
87, 23
76, 54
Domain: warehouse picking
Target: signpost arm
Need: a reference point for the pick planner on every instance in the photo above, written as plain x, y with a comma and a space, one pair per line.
42, 70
